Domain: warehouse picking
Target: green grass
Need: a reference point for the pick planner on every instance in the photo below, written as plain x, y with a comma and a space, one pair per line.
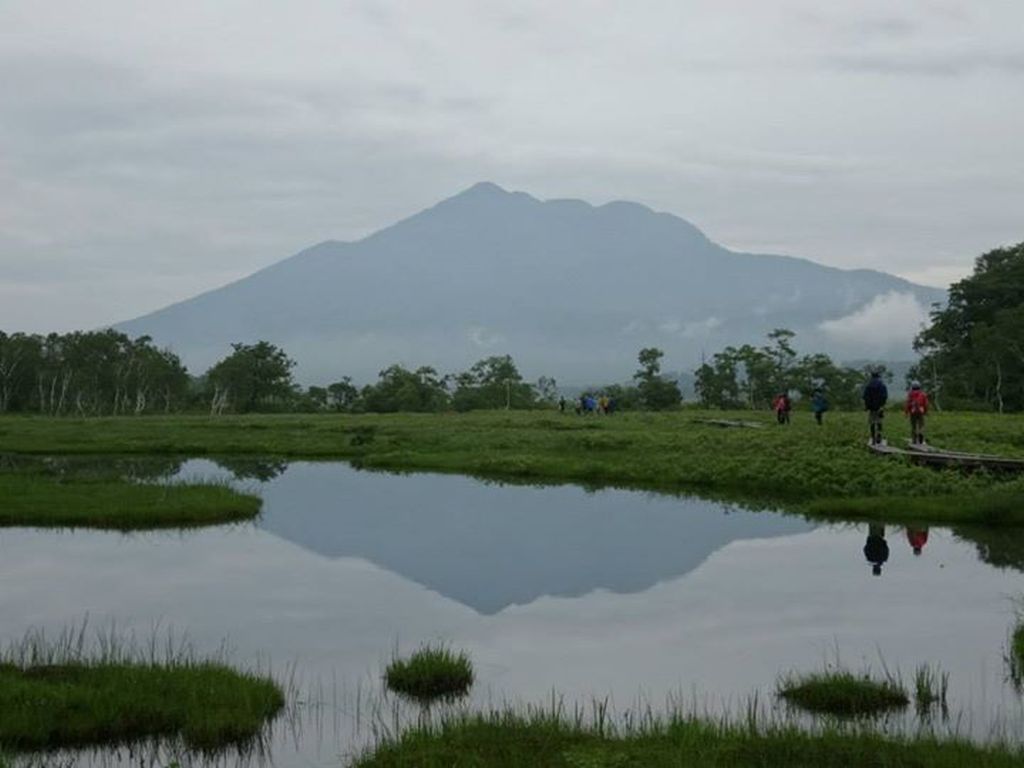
431, 674
931, 689
1015, 657
507, 740
43, 500
823, 472
56, 695
842, 693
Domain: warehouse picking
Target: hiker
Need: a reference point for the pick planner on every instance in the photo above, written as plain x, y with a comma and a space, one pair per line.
782, 405
602, 405
579, 405
561, 404
876, 550
819, 404
917, 538
916, 407
876, 395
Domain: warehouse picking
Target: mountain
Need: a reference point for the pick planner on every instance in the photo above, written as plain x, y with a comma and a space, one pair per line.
569, 289
514, 545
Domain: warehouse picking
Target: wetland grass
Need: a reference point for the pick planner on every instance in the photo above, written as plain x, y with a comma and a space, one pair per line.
931, 688
842, 693
432, 673
508, 738
43, 500
58, 694
801, 468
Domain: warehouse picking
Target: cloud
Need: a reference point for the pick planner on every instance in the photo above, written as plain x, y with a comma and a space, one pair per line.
483, 338
937, 64
887, 323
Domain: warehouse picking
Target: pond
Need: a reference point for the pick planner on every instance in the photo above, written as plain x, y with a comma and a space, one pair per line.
635, 597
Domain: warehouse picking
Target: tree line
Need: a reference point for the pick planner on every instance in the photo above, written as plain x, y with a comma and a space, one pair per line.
751, 377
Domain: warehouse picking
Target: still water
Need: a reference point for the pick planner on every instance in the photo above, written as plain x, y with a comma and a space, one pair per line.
635, 597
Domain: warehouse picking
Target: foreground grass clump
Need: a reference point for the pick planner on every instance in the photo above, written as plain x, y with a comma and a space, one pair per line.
931, 688
56, 695
1015, 656
800, 467
504, 740
43, 500
431, 674
842, 693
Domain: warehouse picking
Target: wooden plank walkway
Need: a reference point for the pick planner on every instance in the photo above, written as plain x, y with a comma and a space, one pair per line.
730, 423
937, 457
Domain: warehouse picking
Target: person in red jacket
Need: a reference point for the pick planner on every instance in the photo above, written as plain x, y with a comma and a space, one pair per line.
917, 537
916, 408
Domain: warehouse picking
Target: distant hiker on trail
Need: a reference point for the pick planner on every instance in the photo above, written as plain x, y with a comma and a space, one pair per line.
782, 405
876, 550
876, 395
916, 407
819, 404
917, 537
579, 405
602, 405
561, 405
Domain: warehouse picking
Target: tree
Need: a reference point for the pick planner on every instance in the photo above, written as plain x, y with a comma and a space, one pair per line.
399, 389
253, 377
973, 350
494, 382
656, 393
342, 395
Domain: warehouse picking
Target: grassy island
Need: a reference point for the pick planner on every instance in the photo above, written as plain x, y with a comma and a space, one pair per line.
431, 674
41, 500
820, 471
843, 693
58, 695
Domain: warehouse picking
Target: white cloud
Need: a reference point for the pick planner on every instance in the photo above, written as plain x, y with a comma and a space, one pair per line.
889, 322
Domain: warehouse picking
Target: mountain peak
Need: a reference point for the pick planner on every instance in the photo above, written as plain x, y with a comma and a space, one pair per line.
483, 188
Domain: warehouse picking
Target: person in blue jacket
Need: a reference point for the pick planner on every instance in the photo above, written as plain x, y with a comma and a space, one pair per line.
876, 395
819, 404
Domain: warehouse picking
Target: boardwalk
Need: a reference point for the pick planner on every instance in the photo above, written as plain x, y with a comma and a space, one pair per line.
937, 457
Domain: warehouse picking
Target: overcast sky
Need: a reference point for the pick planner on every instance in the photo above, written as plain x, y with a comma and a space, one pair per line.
149, 151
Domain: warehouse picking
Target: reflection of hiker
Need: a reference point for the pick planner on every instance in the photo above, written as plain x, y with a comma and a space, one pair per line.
875, 548
819, 404
782, 405
875, 397
916, 407
917, 537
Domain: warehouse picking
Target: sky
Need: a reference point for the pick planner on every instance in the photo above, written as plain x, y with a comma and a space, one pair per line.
151, 151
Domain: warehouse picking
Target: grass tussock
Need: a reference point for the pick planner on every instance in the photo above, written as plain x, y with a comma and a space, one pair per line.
431, 674
43, 500
931, 689
60, 694
801, 467
1015, 656
842, 693
504, 739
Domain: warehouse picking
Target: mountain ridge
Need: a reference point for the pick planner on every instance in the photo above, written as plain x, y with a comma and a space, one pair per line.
492, 271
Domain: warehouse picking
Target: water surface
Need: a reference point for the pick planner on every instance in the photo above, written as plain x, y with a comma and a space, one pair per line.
621, 594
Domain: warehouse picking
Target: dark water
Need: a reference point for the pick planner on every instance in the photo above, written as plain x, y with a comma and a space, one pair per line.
633, 596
